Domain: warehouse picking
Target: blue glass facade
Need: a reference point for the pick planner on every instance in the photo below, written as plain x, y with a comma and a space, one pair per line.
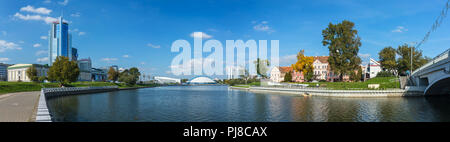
59, 41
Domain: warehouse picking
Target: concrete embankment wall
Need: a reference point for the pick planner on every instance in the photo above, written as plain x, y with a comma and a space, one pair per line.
337, 93
43, 113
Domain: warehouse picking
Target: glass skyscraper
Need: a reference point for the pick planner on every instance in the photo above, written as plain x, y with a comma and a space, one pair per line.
60, 41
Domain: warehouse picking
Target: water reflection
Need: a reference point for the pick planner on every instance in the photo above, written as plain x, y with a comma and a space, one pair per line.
220, 104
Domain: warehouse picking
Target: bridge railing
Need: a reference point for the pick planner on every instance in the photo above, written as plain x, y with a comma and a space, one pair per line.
436, 59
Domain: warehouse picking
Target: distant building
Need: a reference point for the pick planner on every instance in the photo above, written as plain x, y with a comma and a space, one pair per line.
166, 80
85, 66
99, 74
4, 72
373, 68
234, 72
18, 72
321, 70
277, 73
60, 41
74, 54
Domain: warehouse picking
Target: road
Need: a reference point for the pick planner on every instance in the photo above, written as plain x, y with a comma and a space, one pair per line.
19, 107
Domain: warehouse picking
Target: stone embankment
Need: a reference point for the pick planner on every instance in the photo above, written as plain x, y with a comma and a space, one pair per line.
336, 93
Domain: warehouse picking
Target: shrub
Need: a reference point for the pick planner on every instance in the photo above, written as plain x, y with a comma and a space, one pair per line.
385, 74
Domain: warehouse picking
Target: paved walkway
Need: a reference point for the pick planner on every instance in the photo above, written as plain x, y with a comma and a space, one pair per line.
19, 107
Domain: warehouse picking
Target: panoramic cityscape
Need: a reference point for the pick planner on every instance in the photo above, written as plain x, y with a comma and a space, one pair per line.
224, 61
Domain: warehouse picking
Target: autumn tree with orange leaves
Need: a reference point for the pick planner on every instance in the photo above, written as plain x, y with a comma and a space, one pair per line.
304, 64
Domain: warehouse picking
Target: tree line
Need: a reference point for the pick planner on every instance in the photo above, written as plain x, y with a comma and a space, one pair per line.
64, 72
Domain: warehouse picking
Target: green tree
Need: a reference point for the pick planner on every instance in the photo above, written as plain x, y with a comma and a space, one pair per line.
262, 66
343, 43
42, 79
304, 64
288, 77
113, 74
63, 71
356, 76
404, 60
387, 59
32, 73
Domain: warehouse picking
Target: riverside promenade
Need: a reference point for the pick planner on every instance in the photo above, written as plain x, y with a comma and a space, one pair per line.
19, 107
408, 92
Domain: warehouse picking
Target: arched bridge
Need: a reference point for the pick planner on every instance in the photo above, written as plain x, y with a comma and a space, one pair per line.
433, 78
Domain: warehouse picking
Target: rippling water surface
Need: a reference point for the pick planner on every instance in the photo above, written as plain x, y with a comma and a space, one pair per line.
220, 104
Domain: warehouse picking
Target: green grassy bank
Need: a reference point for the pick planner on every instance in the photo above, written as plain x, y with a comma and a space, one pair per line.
385, 83
12, 87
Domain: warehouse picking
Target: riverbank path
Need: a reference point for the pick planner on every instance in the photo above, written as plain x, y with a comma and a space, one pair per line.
19, 107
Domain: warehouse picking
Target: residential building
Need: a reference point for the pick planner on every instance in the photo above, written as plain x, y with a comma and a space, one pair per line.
4, 72
321, 68
85, 66
297, 76
60, 41
277, 73
18, 72
373, 68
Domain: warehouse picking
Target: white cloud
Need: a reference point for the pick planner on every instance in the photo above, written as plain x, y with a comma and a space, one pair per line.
400, 29
200, 35
4, 59
4, 33
41, 60
153, 46
142, 63
288, 60
37, 45
5, 45
47, 1
126, 56
44, 37
40, 52
27, 17
78, 14
364, 55
41, 10
64, 3
81, 33
263, 26
109, 59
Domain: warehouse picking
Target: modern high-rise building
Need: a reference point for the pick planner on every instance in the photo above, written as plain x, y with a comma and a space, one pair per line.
60, 41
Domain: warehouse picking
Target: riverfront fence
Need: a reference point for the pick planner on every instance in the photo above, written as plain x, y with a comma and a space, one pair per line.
43, 113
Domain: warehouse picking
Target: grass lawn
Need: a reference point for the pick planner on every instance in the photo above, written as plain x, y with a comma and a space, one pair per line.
11, 87
385, 83
248, 85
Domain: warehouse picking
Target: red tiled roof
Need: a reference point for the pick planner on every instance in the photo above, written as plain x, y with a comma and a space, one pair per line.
285, 69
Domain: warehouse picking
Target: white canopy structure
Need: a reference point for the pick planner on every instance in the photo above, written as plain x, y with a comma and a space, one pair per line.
202, 80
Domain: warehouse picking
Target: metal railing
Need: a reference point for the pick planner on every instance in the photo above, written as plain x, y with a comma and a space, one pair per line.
436, 59
71, 89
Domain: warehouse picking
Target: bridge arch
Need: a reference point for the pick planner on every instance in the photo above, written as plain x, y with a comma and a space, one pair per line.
439, 87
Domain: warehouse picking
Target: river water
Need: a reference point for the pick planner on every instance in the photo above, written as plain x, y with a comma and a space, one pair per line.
220, 104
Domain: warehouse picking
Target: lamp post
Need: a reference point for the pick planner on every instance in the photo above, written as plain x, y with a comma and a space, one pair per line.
414, 44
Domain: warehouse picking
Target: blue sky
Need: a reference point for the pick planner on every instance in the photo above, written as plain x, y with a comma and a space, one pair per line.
139, 33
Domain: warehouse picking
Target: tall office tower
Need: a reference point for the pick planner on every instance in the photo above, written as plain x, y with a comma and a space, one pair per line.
60, 41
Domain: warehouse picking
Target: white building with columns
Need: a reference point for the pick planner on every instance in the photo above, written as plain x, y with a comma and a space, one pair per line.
18, 72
